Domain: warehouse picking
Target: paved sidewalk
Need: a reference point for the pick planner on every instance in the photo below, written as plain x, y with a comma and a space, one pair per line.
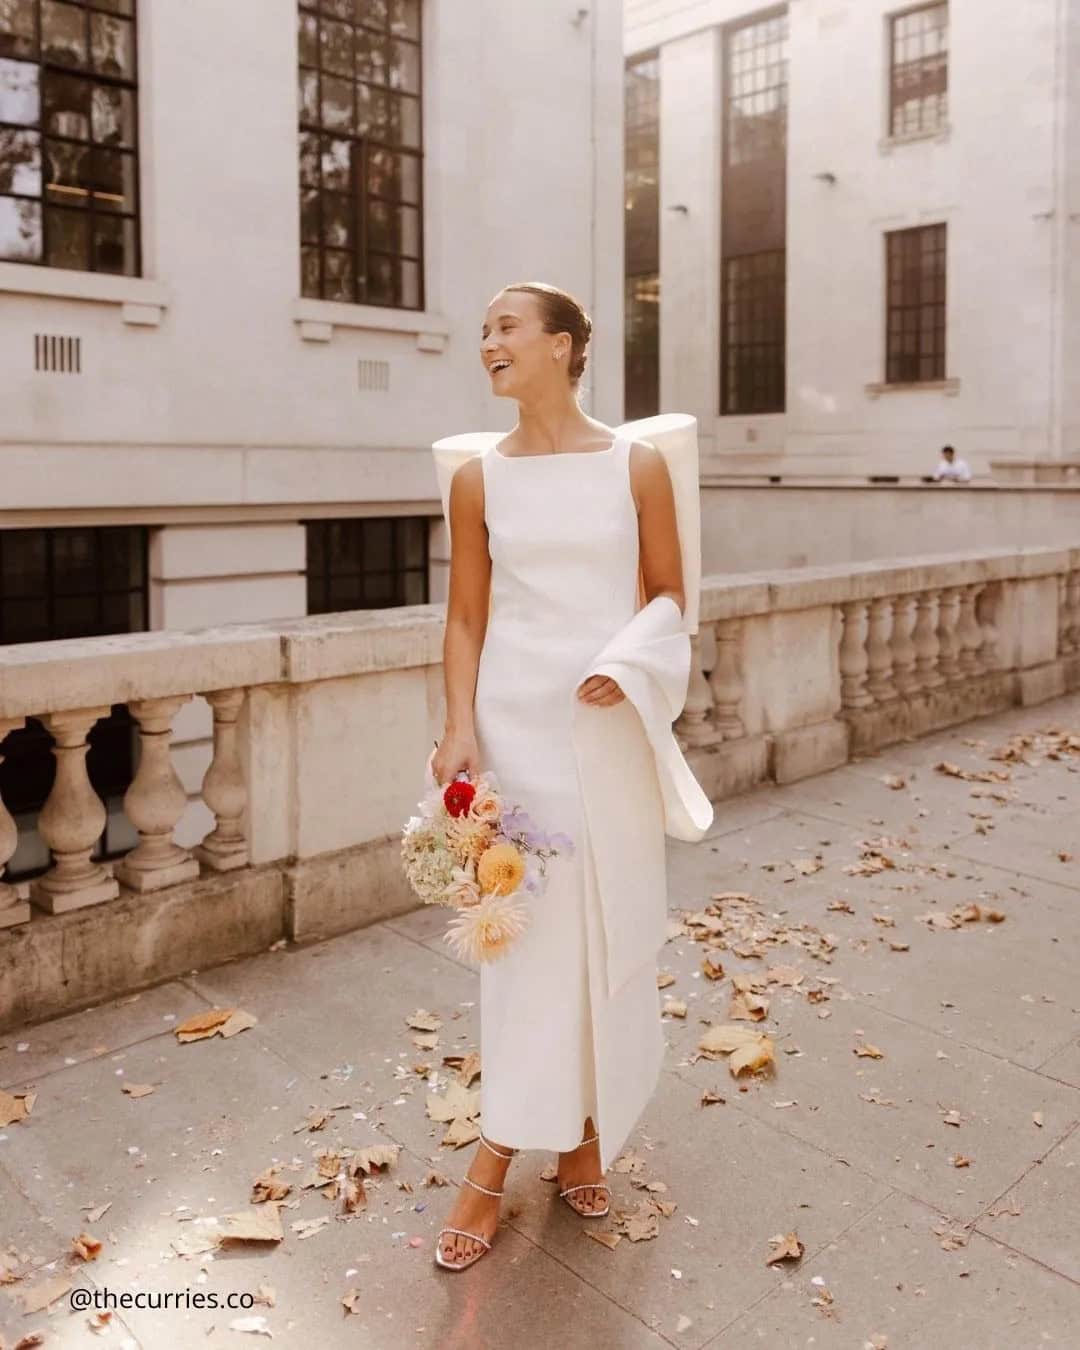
906, 1246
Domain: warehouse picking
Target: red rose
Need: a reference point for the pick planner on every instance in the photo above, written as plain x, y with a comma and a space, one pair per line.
458, 797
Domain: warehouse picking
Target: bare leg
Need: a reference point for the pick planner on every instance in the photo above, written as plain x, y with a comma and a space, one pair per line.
579, 1168
472, 1210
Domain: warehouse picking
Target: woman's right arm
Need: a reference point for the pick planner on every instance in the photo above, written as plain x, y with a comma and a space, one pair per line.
466, 620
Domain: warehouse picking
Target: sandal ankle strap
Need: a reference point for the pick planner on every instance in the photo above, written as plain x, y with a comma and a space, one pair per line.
498, 1153
468, 1181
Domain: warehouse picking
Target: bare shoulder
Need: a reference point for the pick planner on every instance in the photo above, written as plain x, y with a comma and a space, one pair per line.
648, 468
467, 489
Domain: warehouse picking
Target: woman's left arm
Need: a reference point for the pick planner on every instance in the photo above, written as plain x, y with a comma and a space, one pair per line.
659, 551
658, 531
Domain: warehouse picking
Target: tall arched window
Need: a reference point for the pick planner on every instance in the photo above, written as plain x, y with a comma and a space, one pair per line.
68, 134
361, 162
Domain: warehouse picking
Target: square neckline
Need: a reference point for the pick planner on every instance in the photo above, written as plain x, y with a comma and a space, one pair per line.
559, 454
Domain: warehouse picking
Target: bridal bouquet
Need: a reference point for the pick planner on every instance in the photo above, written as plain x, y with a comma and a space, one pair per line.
469, 851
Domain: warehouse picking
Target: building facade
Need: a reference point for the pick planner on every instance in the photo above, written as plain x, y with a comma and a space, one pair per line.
867, 229
245, 253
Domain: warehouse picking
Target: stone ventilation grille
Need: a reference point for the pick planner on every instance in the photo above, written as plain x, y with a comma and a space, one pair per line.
375, 375
60, 354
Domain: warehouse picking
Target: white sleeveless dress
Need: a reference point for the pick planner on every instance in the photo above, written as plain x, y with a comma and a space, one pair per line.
563, 539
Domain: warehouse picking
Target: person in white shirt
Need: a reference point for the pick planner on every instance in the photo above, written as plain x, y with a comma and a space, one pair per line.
951, 469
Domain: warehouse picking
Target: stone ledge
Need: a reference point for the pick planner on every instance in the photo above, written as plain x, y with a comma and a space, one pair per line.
334, 893
933, 710
810, 750
64, 962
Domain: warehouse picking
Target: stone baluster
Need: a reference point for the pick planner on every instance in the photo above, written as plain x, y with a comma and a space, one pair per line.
12, 909
985, 613
1072, 611
948, 620
878, 654
968, 634
223, 788
154, 803
853, 661
72, 820
925, 637
725, 679
694, 725
903, 646
1064, 638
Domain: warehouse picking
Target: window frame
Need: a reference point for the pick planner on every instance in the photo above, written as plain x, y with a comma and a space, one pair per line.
319, 575
358, 196
919, 306
641, 328
91, 77
893, 104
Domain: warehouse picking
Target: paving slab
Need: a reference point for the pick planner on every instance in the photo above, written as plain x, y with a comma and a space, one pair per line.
710, 1262
907, 1143
1064, 1064
888, 1278
94, 1031
1046, 1198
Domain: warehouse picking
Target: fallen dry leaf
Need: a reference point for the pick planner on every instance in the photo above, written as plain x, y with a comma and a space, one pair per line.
460, 1133
746, 1007
436, 1179
807, 866
665, 979
376, 1156
710, 1098
839, 907
712, 968
350, 1301
958, 1160
259, 1224
426, 1040
674, 1007
606, 1239
86, 1246
786, 1247
1037, 1117
15, 1106
788, 976
137, 1089
895, 946
266, 1186
305, 1228
748, 1051
868, 1052
422, 1020
96, 1211
226, 1021
257, 1325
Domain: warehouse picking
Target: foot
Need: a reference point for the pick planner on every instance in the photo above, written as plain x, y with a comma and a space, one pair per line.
581, 1167
474, 1211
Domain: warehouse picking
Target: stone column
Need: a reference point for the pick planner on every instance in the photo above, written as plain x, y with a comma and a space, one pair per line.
903, 648
985, 611
878, 655
223, 789
927, 647
853, 661
968, 633
948, 638
725, 679
72, 820
1072, 611
154, 802
12, 909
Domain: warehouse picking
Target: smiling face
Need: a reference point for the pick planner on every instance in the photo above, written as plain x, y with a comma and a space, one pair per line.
513, 333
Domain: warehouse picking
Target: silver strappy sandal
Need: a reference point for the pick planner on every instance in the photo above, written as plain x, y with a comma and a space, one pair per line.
588, 1186
440, 1260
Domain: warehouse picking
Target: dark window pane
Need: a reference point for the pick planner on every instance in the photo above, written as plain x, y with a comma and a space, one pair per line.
114, 181
112, 115
414, 536
340, 9
405, 122
378, 544
23, 564
309, 217
309, 160
340, 276
125, 8
63, 33
336, 48
379, 589
337, 103
121, 558
309, 97
18, 30
24, 621
20, 230
69, 173
409, 280
416, 589
114, 245
372, 57
336, 224
336, 164
309, 40
20, 99
75, 561
404, 69
380, 280
76, 616
309, 272
68, 239
112, 45
67, 105
405, 18
374, 13
20, 162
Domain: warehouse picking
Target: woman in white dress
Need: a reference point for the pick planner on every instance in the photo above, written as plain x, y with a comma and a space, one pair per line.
549, 527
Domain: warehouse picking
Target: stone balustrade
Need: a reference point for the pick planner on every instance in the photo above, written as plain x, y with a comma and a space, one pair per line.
322, 727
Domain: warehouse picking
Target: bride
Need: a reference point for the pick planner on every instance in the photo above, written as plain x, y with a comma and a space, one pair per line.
549, 528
